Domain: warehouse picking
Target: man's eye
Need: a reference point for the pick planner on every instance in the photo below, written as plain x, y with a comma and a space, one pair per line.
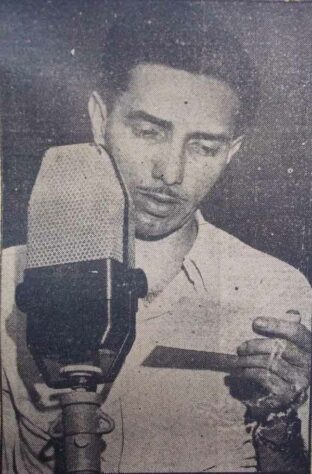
202, 149
146, 132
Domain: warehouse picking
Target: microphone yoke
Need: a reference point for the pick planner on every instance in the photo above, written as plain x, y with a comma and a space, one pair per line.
80, 313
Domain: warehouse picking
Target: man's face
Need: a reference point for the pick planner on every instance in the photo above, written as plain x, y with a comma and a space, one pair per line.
171, 134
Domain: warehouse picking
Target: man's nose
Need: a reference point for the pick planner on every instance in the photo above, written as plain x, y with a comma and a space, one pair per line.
169, 167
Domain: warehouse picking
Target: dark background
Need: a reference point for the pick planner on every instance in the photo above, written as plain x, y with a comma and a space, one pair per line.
50, 52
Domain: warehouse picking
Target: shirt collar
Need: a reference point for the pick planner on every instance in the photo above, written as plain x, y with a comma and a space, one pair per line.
194, 263
195, 267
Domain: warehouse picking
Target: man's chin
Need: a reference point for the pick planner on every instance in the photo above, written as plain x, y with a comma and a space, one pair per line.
154, 228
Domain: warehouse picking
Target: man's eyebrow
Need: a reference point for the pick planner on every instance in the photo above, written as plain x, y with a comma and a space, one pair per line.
141, 115
213, 137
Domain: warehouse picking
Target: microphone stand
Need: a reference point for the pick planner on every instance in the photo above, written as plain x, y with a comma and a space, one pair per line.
110, 310
82, 423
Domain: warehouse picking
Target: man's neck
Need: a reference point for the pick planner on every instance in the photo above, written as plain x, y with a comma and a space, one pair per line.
162, 259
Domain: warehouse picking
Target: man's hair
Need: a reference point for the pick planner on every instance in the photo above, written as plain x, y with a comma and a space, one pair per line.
179, 38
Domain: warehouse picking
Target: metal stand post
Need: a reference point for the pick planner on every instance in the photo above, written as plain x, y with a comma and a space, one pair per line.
82, 423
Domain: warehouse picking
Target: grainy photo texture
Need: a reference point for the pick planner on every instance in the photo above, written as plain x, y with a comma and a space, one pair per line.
156, 236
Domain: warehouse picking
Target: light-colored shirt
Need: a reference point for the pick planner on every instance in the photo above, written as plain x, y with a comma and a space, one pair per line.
166, 419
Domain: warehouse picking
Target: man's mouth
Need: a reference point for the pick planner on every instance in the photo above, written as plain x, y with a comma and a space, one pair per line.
161, 196
157, 202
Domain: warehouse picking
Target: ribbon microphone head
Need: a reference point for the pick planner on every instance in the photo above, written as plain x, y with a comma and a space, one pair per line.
79, 209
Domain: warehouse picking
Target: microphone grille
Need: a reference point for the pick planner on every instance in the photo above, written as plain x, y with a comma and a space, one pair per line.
79, 209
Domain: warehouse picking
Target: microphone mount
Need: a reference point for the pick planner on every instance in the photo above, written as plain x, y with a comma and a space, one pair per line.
82, 423
80, 313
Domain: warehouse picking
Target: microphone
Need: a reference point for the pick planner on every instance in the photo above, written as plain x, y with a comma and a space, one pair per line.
80, 290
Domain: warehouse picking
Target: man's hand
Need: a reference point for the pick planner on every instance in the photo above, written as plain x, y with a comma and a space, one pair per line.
281, 364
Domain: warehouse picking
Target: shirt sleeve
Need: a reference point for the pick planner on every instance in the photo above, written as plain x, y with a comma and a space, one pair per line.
22, 439
9, 428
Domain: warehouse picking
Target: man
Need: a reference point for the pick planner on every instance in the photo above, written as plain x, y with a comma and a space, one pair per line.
175, 100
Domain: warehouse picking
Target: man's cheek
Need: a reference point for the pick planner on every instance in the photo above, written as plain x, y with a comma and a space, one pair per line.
127, 168
137, 176
197, 189
206, 182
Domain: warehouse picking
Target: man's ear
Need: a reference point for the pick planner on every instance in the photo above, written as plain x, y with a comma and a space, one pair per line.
98, 116
234, 147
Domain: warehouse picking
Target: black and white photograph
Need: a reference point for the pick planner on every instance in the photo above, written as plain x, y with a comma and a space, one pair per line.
156, 262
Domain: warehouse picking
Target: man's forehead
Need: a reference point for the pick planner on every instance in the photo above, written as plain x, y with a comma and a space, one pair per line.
179, 96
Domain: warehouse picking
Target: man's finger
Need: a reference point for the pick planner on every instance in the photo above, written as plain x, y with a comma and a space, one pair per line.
293, 375
290, 353
269, 381
297, 357
256, 346
293, 332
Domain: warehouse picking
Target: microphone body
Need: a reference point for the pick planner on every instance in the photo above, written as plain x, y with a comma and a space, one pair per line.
80, 290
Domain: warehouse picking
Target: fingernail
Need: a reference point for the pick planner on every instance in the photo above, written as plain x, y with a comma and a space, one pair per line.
243, 347
261, 322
